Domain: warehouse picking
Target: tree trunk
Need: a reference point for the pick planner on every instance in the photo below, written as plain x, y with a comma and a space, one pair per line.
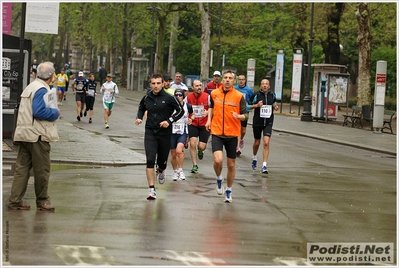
159, 64
174, 24
364, 42
125, 47
205, 39
331, 47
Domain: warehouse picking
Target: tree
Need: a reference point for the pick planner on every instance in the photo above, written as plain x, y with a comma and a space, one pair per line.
205, 38
364, 42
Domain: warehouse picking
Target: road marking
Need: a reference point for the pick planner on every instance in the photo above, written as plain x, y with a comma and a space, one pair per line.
80, 255
193, 258
292, 261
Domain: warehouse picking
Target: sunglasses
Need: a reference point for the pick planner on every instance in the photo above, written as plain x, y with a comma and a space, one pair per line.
179, 95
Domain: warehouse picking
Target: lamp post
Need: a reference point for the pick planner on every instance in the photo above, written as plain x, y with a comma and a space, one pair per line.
66, 54
307, 100
153, 9
220, 24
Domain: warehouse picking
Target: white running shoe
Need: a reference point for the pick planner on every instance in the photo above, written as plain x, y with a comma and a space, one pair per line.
175, 175
228, 198
219, 186
161, 176
182, 176
152, 194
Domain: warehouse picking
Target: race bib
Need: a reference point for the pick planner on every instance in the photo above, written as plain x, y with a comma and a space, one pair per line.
178, 128
266, 111
198, 110
91, 92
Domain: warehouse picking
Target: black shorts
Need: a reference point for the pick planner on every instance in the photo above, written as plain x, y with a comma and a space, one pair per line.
230, 144
267, 131
244, 123
200, 132
89, 102
81, 97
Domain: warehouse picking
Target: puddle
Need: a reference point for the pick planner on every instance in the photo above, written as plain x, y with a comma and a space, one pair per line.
54, 167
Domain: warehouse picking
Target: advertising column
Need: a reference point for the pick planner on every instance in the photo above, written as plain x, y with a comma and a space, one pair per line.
251, 73
379, 95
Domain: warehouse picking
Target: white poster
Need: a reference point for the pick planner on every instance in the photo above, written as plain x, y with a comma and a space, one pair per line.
278, 87
42, 17
296, 77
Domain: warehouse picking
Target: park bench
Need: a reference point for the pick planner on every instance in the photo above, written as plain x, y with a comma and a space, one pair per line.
390, 115
354, 117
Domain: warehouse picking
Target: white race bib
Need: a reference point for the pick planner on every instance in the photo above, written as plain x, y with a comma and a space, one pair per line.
198, 110
266, 111
91, 92
178, 128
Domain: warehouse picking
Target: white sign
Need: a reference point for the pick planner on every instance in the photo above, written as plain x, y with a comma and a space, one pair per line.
42, 17
278, 87
296, 77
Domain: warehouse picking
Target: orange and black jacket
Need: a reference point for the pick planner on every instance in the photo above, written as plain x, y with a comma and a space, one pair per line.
224, 103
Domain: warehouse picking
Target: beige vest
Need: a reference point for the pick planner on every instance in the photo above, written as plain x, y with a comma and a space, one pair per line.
29, 128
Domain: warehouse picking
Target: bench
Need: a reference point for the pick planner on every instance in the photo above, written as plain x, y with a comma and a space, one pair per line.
355, 117
388, 120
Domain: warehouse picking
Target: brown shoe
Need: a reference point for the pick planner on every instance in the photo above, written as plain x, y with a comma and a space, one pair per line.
46, 207
20, 207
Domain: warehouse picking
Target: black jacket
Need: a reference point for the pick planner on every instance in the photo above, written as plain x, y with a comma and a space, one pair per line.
268, 99
159, 108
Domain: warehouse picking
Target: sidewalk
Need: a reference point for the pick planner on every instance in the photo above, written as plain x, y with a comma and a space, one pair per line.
74, 141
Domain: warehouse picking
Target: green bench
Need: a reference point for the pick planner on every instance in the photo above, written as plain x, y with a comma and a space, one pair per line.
353, 118
388, 118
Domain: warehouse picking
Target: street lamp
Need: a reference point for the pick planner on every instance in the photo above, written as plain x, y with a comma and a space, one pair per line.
66, 54
153, 9
307, 100
220, 24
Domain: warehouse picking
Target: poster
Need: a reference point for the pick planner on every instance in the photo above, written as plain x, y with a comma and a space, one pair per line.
296, 77
338, 88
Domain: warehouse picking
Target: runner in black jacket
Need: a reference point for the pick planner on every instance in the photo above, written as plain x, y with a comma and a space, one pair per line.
162, 110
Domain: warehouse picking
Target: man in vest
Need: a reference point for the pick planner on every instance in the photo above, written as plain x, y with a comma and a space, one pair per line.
36, 128
227, 108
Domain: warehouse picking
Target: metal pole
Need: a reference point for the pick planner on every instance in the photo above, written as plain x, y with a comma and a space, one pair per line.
220, 24
152, 42
307, 100
21, 53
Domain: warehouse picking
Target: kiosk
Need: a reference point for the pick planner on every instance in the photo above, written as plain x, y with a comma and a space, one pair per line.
137, 74
330, 90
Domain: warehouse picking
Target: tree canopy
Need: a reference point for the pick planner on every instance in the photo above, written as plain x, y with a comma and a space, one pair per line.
248, 30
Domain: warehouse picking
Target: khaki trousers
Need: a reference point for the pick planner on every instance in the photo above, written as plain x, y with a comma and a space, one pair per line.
34, 155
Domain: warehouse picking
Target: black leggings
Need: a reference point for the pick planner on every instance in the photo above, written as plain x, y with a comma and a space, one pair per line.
154, 145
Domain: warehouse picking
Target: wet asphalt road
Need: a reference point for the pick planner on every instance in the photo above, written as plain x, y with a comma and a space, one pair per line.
316, 192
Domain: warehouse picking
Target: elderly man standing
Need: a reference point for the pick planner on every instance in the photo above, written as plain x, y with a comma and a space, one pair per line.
177, 83
36, 128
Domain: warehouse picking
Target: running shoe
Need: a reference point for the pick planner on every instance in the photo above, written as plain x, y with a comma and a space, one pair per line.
219, 187
85, 113
254, 163
90, 121
106, 125
194, 169
241, 144
78, 117
182, 176
227, 197
175, 175
161, 176
64, 98
200, 154
264, 170
81, 114
152, 194
238, 151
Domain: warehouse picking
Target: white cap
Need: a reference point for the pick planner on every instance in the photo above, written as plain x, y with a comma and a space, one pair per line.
80, 74
216, 73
